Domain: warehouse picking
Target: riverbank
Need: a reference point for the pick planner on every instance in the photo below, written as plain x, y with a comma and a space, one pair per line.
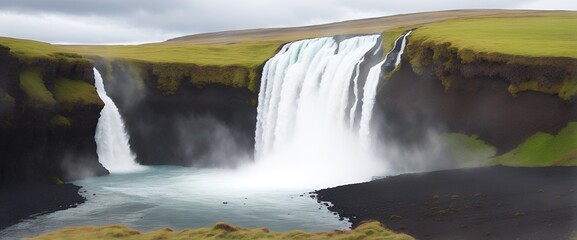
489, 202
18, 203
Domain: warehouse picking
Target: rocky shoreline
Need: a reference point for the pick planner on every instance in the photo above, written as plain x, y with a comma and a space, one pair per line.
18, 203
479, 203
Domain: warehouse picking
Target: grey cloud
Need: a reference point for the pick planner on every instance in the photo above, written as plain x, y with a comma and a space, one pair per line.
160, 19
80, 7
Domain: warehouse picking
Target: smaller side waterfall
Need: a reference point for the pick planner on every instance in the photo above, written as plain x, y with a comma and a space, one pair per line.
111, 138
391, 61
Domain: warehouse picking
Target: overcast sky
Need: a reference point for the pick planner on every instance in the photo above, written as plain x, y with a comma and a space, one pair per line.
138, 21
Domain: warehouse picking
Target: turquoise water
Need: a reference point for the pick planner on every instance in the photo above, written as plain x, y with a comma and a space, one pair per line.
179, 198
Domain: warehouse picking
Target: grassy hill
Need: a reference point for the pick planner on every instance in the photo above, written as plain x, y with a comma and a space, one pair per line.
253, 47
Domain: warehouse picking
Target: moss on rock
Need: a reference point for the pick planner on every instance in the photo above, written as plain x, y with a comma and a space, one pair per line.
32, 83
75, 93
60, 121
550, 75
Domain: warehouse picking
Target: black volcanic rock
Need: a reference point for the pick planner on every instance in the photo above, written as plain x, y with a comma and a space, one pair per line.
495, 202
19, 202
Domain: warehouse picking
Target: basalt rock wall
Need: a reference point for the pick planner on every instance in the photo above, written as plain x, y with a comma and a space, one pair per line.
44, 133
185, 114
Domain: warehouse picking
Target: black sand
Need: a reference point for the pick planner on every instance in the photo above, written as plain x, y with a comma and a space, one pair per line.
480, 203
20, 202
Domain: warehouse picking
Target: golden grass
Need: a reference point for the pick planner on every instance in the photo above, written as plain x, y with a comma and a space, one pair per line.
368, 230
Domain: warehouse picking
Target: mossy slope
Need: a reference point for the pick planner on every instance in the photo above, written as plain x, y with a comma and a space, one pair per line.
536, 53
369, 230
544, 149
48, 113
539, 150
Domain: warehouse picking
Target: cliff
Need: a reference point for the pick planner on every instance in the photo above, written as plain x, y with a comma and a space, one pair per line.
184, 114
511, 88
192, 100
48, 114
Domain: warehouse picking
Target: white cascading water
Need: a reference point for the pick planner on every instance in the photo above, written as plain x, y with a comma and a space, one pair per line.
111, 138
370, 92
306, 133
303, 134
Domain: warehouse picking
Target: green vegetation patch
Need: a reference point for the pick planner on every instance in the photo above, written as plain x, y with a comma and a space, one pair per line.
72, 93
544, 149
368, 230
60, 121
32, 84
468, 150
553, 35
389, 38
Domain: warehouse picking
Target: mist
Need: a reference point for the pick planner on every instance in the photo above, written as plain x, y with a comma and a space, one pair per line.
207, 142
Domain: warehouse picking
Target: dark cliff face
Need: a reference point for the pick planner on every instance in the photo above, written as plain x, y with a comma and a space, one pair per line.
208, 126
42, 140
411, 104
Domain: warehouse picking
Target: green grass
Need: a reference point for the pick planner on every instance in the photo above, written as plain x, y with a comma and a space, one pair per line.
368, 230
389, 38
468, 150
28, 48
538, 36
250, 54
544, 149
73, 92
32, 84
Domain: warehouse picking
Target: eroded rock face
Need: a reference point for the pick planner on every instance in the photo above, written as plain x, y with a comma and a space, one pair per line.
42, 140
202, 125
411, 104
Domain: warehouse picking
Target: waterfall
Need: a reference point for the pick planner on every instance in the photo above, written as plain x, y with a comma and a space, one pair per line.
391, 61
307, 127
111, 138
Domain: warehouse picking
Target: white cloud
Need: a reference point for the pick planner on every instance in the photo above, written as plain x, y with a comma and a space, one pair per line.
550, 5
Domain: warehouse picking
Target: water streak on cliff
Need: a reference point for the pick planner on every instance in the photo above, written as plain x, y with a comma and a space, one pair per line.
111, 138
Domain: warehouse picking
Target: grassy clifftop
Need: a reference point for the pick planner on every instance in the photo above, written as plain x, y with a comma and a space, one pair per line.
44, 77
465, 30
536, 52
539, 35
